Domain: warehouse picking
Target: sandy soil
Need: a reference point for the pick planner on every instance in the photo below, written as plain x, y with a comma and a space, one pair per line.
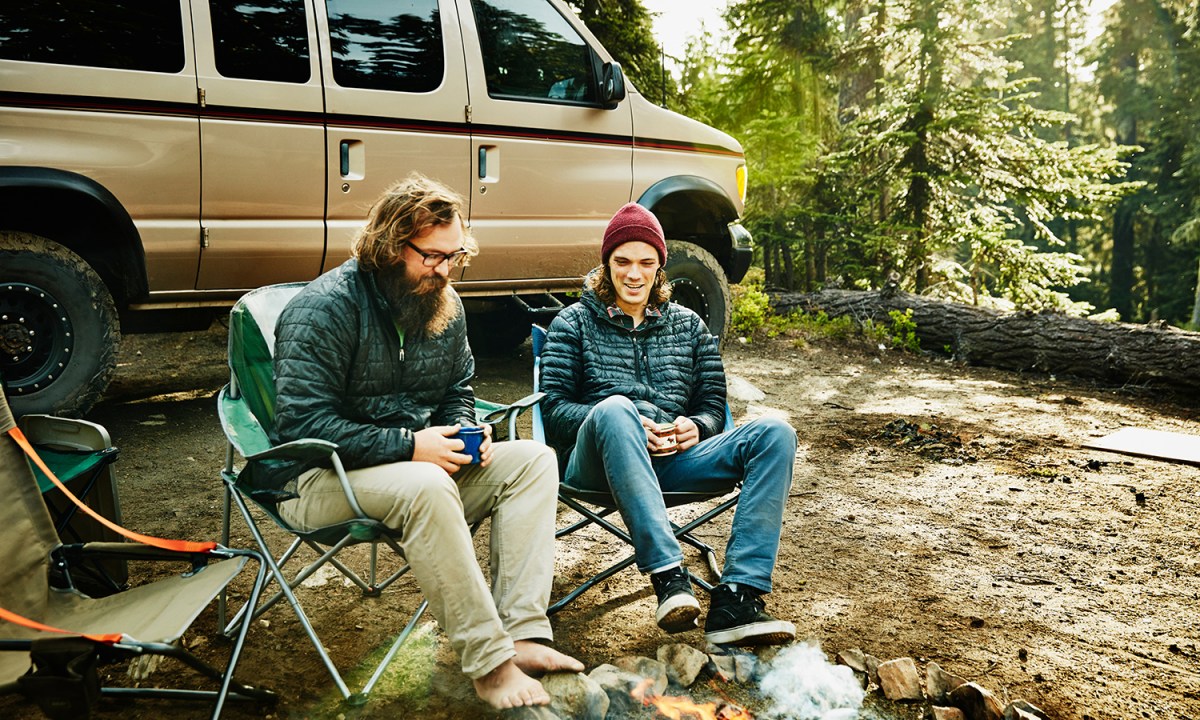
939, 512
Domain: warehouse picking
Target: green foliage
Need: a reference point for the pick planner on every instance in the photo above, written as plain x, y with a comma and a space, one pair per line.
752, 315
751, 309
904, 331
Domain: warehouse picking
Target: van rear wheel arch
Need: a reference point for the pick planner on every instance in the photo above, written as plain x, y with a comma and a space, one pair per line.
82, 215
59, 328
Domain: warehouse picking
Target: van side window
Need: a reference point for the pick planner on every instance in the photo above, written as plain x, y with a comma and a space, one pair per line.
260, 39
530, 51
386, 44
121, 34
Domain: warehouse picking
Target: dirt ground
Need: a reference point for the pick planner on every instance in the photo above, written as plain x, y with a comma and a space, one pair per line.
940, 512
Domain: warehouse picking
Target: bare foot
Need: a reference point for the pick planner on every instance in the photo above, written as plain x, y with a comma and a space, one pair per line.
537, 659
508, 687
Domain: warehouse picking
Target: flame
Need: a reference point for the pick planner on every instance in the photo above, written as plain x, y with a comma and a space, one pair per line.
682, 708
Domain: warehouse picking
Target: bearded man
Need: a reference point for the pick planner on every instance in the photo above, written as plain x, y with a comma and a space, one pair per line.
373, 356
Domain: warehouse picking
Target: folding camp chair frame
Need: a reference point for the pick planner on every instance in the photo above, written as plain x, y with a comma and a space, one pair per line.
595, 506
65, 691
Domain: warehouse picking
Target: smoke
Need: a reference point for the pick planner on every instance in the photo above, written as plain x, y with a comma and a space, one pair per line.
800, 684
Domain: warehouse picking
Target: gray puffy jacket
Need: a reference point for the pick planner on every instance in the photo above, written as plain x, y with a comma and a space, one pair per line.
340, 375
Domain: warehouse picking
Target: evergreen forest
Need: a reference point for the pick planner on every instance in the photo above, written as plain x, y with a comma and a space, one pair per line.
1037, 155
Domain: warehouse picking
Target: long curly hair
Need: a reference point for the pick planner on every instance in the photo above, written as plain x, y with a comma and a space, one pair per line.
404, 212
599, 281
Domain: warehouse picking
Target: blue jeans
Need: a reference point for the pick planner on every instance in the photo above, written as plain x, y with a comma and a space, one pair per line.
610, 455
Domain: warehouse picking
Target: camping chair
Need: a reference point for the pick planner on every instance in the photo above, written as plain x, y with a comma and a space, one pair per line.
81, 455
247, 411
595, 507
54, 638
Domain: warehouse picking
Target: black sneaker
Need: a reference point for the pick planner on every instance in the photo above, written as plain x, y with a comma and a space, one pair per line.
677, 606
738, 617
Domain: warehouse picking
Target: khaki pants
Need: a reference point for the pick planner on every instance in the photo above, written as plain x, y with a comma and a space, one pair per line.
432, 510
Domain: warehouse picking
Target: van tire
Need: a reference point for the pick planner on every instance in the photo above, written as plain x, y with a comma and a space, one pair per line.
59, 329
699, 284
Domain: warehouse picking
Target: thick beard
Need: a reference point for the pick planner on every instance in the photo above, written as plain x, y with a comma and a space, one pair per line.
414, 304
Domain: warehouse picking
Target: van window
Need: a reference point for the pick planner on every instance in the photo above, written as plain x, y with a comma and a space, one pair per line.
260, 40
386, 44
530, 51
121, 34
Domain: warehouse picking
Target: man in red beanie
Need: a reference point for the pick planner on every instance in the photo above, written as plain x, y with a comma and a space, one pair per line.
621, 363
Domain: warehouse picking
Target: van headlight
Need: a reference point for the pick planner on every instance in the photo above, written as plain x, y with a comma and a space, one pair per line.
741, 182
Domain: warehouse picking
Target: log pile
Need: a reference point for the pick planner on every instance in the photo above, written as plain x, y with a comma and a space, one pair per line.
1119, 353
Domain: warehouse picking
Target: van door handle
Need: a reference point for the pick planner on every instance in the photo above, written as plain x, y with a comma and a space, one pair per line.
489, 163
352, 159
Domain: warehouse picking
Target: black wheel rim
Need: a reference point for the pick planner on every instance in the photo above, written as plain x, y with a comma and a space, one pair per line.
35, 338
690, 295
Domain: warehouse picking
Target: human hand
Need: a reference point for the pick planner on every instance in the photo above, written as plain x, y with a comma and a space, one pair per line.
655, 443
687, 433
438, 446
485, 448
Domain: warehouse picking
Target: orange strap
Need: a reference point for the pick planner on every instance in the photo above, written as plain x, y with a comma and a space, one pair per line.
34, 625
176, 545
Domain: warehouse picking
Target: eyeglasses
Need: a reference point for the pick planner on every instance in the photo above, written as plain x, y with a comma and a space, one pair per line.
433, 259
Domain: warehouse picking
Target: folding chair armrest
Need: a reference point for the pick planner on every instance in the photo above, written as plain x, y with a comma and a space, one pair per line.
512, 411
304, 449
127, 551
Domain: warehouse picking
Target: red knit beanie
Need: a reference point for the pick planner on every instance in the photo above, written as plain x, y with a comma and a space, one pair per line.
633, 222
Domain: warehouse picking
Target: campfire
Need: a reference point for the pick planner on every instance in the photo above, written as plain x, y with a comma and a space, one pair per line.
797, 683
685, 708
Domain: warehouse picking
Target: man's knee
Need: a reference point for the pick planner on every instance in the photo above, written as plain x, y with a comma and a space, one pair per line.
776, 432
613, 408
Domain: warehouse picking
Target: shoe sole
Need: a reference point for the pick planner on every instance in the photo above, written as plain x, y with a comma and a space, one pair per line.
678, 613
778, 632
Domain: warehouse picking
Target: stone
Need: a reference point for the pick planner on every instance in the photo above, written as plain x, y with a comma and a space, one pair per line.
976, 702
575, 695
624, 689
741, 389
726, 666
872, 667
939, 683
1023, 710
899, 680
683, 662
736, 667
646, 668
854, 659
947, 713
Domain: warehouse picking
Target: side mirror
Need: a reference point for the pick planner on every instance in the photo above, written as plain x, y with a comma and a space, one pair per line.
612, 85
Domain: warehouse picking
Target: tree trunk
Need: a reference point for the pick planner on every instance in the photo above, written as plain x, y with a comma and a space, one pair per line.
1111, 352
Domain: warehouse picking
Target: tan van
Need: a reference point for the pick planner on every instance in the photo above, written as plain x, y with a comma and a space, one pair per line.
171, 156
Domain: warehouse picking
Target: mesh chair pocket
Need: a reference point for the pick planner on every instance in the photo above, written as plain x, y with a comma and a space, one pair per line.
63, 680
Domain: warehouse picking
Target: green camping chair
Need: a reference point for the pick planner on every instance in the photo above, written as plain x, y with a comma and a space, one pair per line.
247, 410
81, 455
53, 639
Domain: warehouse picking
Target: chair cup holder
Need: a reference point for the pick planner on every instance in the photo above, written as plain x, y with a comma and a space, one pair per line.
63, 681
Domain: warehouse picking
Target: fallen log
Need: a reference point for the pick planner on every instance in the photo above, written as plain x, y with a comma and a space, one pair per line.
1121, 353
